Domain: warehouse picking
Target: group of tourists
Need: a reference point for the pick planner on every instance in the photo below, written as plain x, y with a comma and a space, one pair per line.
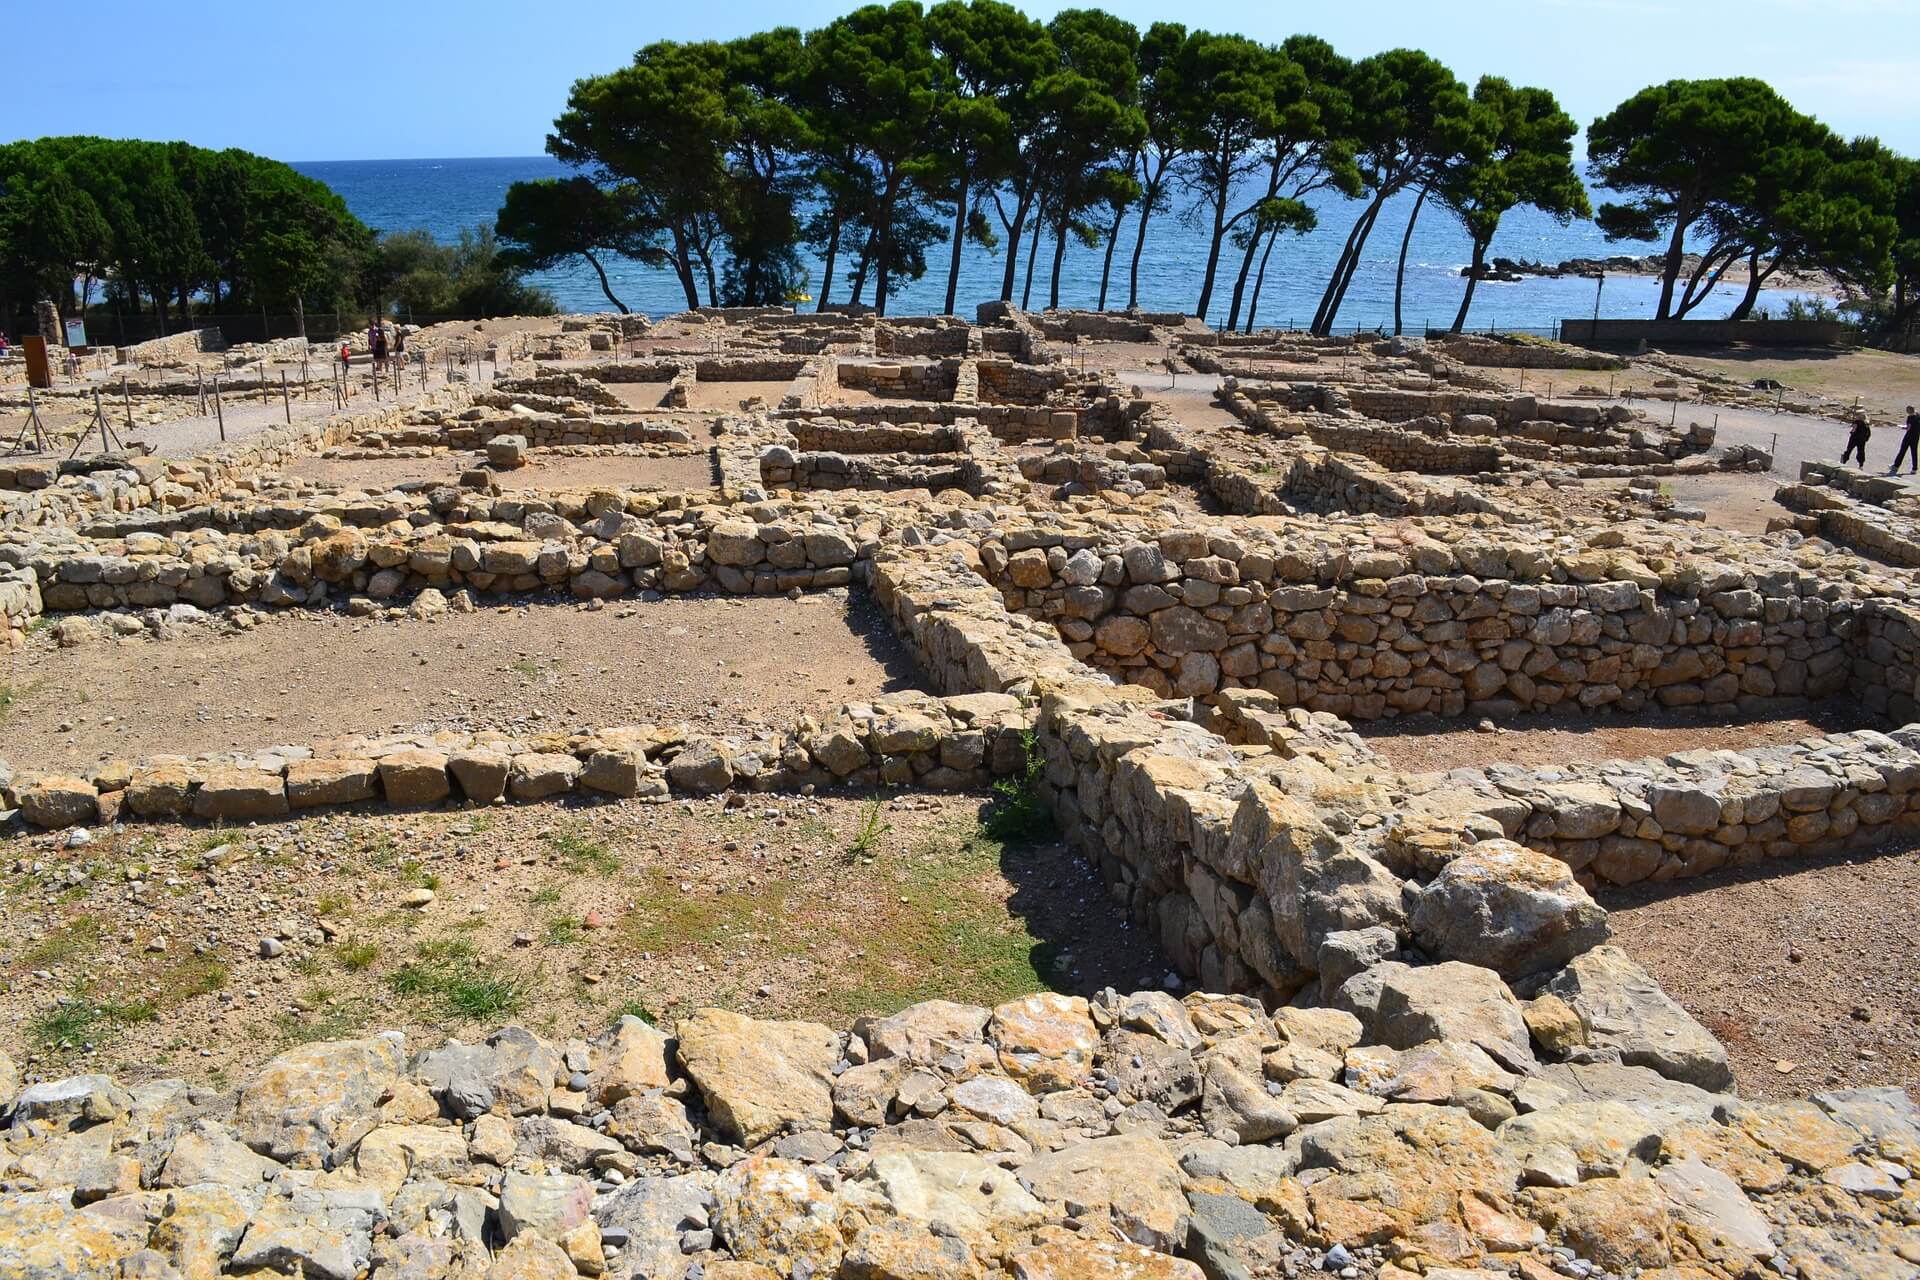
378, 346
1909, 443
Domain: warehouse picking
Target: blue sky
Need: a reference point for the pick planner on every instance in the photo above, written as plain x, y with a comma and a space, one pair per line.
485, 77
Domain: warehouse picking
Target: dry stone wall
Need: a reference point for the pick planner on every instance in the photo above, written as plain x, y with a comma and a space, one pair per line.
1506, 629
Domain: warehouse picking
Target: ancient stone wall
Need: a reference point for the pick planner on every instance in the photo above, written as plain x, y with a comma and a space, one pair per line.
1372, 636
785, 468
1485, 352
930, 380
896, 740
173, 348
923, 336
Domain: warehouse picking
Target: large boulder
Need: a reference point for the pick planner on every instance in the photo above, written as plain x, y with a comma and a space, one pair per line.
1132, 1178
1622, 1008
1045, 1041
318, 1099
954, 1193
760, 1078
1507, 908
1402, 1006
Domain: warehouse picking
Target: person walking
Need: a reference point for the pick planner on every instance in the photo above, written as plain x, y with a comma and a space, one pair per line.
1909, 445
1857, 441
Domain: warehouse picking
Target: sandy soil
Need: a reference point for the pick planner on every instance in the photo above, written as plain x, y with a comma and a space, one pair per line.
1736, 501
1885, 381
1428, 745
549, 471
376, 475
639, 395
726, 396
300, 676
559, 917
1809, 972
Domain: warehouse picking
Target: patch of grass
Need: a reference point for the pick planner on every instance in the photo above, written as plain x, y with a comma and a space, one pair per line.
189, 977
948, 934
62, 943
546, 895
562, 931
332, 904
72, 1023
583, 852
448, 974
634, 1009
322, 1020
414, 873
357, 956
866, 839
1019, 812
533, 668
665, 920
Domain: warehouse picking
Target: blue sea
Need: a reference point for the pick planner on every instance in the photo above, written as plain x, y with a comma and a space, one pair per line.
444, 196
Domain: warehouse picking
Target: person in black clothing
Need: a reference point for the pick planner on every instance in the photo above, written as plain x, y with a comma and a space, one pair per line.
1909, 445
1857, 441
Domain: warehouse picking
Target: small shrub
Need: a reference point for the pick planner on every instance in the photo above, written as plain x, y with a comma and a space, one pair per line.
866, 839
1018, 811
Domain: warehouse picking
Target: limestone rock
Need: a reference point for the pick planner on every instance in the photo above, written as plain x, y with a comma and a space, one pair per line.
1098, 1260
954, 1193
775, 1212
1402, 1006
1133, 1178
1507, 908
1045, 1041
760, 1078
547, 1204
316, 1099
1623, 1008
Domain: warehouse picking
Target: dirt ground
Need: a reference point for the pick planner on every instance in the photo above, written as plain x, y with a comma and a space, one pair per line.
726, 396
1735, 501
296, 677
1429, 745
376, 475
1809, 972
549, 471
1885, 381
145, 945
638, 395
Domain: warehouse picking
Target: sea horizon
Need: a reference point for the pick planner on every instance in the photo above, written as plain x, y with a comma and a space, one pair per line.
445, 194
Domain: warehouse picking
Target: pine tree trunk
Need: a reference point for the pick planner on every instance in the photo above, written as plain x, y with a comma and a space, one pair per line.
1033, 251
1400, 273
605, 287
1140, 243
826, 270
1020, 211
959, 238
1059, 252
1473, 278
1260, 279
1106, 267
